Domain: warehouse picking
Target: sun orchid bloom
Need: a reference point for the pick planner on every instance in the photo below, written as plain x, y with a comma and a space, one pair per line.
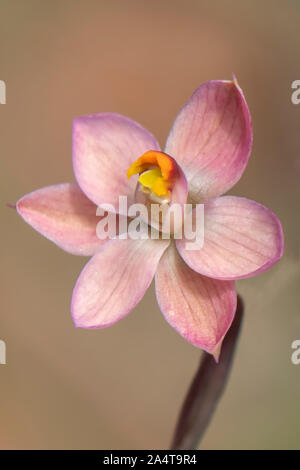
206, 153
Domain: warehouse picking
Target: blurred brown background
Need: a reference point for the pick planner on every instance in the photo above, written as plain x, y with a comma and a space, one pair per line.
121, 387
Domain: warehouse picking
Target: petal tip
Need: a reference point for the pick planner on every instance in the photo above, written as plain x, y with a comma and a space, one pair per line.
21, 207
217, 351
234, 80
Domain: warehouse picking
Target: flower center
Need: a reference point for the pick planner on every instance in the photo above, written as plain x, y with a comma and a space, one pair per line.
156, 171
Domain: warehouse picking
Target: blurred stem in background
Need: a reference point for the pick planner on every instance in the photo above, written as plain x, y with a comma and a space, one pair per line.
206, 390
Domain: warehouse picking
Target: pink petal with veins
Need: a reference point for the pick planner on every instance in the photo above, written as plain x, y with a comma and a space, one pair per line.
211, 139
114, 281
241, 239
64, 215
199, 308
104, 146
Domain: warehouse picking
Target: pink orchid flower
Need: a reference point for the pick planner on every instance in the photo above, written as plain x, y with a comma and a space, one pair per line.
206, 153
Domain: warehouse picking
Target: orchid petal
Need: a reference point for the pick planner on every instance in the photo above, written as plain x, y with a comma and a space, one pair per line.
241, 239
199, 308
211, 139
104, 146
114, 281
64, 215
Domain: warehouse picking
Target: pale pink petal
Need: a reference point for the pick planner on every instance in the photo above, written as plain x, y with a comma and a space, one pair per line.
64, 215
199, 308
211, 139
114, 281
241, 239
104, 146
